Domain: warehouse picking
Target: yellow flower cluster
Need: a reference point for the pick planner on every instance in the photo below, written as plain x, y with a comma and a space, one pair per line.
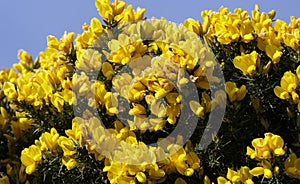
288, 87
119, 82
264, 168
268, 164
266, 148
246, 63
240, 26
115, 11
19, 124
241, 176
245, 175
51, 143
47, 82
48, 85
127, 159
263, 149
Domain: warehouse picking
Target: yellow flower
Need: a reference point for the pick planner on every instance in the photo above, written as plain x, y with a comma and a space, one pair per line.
107, 70
161, 87
99, 92
233, 176
84, 40
96, 26
222, 180
257, 171
81, 84
173, 111
274, 53
65, 42
193, 25
281, 93
241, 176
193, 160
52, 42
111, 103
287, 88
88, 60
104, 9
158, 108
138, 110
114, 169
246, 63
67, 96
70, 163
50, 140
271, 144
262, 150
292, 39
173, 98
234, 93
276, 144
245, 175
118, 7
141, 177
128, 15
3, 117
90, 34
58, 101
30, 157
8, 75
197, 108
25, 57
298, 72
157, 124
10, 90
67, 146
75, 133
292, 166
203, 108
184, 162
289, 82
109, 10
246, 31
156, 173
126, 53
21, 125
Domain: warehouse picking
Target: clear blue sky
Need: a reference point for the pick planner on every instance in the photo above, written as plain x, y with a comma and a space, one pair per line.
25, 24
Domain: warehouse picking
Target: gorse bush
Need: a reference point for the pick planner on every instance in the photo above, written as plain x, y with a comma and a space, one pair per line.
139, 100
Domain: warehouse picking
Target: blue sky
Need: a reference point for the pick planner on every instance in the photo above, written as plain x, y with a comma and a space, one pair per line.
26, 24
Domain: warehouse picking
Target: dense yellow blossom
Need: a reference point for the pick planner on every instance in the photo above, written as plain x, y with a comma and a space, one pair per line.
123, 79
